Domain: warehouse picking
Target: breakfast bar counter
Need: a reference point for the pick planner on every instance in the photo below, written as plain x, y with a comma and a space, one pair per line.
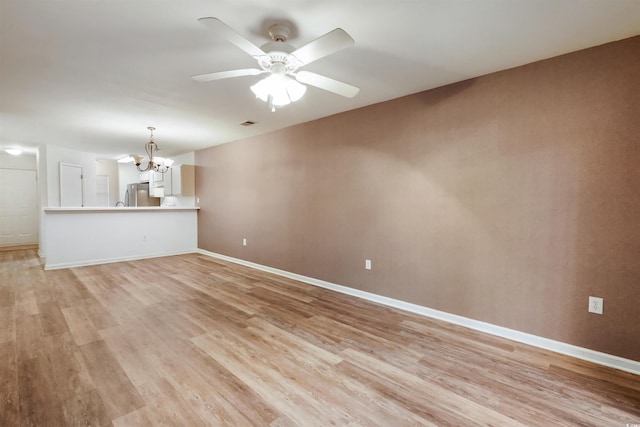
97, 235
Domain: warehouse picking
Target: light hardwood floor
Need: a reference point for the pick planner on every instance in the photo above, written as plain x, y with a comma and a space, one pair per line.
190, 341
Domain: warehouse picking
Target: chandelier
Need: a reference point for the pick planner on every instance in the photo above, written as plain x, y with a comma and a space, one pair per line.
160, 165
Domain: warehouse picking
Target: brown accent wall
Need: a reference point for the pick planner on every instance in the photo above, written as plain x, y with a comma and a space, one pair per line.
508, 198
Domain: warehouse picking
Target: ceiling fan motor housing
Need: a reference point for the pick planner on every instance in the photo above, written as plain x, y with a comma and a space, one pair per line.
278, 59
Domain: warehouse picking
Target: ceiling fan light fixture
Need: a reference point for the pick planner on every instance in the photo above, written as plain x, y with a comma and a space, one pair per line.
295, 89
278, 90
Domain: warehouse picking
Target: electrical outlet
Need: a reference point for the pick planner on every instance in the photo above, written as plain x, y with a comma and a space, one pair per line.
244, 242
595, 305
367, 264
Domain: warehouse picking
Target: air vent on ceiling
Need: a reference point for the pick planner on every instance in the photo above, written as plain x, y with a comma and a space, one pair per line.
247, 123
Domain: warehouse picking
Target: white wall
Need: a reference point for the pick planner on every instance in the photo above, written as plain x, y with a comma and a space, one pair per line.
48, 165
85, 236
185, 159
110, 168
25, 161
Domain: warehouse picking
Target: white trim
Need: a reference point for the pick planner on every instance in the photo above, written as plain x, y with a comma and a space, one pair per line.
600, 358
112, 260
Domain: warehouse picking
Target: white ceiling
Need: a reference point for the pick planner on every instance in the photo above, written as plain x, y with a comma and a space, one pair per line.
93, 74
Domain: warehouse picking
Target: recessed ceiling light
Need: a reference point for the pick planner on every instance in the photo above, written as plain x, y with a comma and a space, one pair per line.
247, 123
13, 151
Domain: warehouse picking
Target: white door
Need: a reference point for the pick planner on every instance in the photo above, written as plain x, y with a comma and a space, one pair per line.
18, 207
71, 191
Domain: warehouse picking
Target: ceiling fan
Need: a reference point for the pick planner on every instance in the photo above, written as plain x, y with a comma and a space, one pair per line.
282, 61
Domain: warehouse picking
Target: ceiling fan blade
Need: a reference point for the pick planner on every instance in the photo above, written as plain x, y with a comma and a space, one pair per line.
227, 74
331, 42
327, 83
230, 34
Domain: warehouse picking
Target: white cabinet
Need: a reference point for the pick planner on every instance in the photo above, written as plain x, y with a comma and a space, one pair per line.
157, 183
156, 179
180, 181
176, 181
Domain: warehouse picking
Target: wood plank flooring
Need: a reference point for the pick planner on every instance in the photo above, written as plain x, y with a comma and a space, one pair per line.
194, 341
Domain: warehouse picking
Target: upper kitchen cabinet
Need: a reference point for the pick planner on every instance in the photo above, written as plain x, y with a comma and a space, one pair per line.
156, 179
180, 181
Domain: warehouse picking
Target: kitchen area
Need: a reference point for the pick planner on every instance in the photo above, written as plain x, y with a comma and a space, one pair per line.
155, 215
176, 187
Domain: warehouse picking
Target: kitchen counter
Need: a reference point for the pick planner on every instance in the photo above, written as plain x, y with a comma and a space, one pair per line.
119, 209
97, 235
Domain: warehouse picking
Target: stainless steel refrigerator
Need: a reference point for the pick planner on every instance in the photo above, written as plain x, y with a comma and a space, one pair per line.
137, 194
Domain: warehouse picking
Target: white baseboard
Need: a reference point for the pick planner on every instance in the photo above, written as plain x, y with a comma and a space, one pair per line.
600, 358
112, 260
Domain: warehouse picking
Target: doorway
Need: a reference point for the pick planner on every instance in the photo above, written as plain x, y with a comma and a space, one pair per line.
18, 207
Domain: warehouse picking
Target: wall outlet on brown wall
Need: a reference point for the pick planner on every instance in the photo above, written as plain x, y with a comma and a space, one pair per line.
595, 305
